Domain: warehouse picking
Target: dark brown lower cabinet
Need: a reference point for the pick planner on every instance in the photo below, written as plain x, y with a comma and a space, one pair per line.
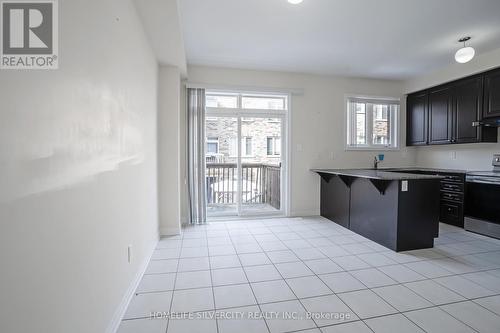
398, 219
335, 200
451, 194
452, 199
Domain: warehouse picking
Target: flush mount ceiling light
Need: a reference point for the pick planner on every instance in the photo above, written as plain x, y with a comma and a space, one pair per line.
465, 54
295, 2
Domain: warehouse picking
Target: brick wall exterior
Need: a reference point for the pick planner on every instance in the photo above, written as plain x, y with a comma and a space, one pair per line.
258, 129
380, 128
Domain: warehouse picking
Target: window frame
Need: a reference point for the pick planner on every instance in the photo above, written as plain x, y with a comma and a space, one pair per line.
274, 144
283, 98
224, 94
393, 119
213, 140
245, 141
248, 112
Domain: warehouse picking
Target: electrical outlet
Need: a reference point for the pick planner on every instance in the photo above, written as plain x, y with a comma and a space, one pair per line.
453, 155
332, 155
129, 254
404, 186
299, 147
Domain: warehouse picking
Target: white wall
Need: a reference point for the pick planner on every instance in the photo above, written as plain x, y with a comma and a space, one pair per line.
78, 173
317, 118
162, 24
466, 156
169, 103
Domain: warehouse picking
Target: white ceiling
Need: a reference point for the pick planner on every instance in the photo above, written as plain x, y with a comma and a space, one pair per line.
395, 39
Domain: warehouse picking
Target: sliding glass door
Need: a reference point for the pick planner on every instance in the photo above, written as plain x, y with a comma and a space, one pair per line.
245, 145
221, 168
261, 165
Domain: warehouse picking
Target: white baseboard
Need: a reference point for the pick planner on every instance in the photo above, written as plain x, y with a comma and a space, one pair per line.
122, 308
311, 212
170, 231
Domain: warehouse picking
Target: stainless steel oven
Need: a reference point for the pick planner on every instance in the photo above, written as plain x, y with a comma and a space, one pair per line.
482, 201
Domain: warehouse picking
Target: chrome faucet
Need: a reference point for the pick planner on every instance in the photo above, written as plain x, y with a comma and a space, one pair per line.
375, 163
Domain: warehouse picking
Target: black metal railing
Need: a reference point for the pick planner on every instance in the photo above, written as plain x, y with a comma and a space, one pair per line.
261, 183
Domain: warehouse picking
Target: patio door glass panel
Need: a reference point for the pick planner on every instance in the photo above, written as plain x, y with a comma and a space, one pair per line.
221, 171
260, 147
246, 160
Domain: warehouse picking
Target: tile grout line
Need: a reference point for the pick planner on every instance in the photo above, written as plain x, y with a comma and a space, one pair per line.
212, 287
286, 282
173, 291
376, 267
317, 326
250, 285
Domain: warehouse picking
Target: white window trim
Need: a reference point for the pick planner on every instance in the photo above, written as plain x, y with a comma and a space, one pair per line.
347, 122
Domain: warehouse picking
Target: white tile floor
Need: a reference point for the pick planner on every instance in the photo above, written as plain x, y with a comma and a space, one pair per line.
325, 277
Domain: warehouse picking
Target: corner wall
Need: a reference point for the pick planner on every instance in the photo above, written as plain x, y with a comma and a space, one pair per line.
169, 154
78, 172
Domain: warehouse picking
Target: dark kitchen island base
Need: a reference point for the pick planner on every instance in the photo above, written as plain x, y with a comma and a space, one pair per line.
398, 212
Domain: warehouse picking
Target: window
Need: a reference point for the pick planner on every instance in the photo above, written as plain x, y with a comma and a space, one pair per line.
273, 146
212, 145
246, 146
380, 112
372, 123
244, 101
263, 102
213, 100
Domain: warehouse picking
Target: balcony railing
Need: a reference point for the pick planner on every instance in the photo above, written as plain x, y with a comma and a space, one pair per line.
261, 184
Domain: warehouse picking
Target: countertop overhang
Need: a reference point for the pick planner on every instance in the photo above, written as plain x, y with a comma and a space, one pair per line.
376, 174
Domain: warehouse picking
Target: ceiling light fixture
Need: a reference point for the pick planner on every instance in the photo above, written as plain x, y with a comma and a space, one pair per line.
465, 54
295, 2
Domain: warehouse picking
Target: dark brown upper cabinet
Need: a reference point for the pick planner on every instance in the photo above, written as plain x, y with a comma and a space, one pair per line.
492, 94
467, 107
417, 122
450, 113
440, 115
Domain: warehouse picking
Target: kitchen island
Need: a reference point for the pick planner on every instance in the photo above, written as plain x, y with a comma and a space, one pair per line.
397, 210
